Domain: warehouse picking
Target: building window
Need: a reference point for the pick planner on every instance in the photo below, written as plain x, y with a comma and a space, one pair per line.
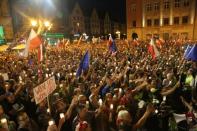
177, 3
185, 19
156, 6
133, 7
176, 20
134, 23
185, 3
156, 22
149, 22
148, 7
166, 21
166, 4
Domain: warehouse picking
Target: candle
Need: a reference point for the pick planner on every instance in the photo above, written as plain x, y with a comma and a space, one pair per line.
120, 90
4, 123
51, 122
58, 74
62, 115
111, 106
87, 104
100, 102
47, 75
164, 98
48, 110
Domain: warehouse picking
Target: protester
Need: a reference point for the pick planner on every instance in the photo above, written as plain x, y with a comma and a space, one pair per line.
118, 88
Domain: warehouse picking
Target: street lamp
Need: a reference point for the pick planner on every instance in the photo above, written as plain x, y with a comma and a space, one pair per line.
46, 23
34, 23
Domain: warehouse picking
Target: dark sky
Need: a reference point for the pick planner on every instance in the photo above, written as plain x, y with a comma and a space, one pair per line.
116, 8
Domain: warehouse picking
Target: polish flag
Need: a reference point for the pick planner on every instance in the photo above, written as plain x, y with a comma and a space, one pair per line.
153, 50
159, 43
33, 42
40, 53
110, 41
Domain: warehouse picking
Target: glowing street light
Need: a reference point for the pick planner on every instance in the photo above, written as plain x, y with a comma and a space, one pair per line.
34, 23
46, 23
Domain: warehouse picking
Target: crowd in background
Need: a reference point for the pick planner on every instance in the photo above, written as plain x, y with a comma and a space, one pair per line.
127, 91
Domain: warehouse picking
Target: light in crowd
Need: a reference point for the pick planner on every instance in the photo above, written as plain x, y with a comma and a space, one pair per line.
51, 122
156, 111
62, 115
48, 110
46, 23
87, 104
3, 120
111, 106
61, 85
120, 90
47, 75
164, 98
34, 23
100, 102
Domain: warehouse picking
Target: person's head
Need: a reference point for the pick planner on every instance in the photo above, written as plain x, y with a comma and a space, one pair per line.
11, 98
123, 119
23, 119
93, 99
60, 106
82, 99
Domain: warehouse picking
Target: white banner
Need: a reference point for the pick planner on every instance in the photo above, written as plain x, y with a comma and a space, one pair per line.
44, 89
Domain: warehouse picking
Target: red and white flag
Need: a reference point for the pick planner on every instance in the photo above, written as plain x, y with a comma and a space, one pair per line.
40, 53
110, 41
33, 42
153, 49
159, 43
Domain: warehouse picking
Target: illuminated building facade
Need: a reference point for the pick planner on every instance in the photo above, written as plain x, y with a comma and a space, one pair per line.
167, 19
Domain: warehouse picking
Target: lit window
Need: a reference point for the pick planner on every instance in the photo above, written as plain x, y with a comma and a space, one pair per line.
176, 20
166, 21
166, 4
156, 6
148, 7
149, 22
185, 3
185, 19
177, 3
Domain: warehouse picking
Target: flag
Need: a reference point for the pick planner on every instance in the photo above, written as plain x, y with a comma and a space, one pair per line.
110, 41
84, 64
187, 50
113, 47
153, 49
192, 55
40, 53
159, 43
33, 42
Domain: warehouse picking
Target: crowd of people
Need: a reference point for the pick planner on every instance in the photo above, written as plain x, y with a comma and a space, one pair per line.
128, 91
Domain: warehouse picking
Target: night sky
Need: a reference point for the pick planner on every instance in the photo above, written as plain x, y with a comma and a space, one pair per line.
116, 8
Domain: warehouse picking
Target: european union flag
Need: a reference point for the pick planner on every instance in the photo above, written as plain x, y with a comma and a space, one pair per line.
187, 50
84, 64
192, 55
113, 47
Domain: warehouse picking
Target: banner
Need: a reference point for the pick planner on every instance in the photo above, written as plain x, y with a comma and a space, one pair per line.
44, 89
